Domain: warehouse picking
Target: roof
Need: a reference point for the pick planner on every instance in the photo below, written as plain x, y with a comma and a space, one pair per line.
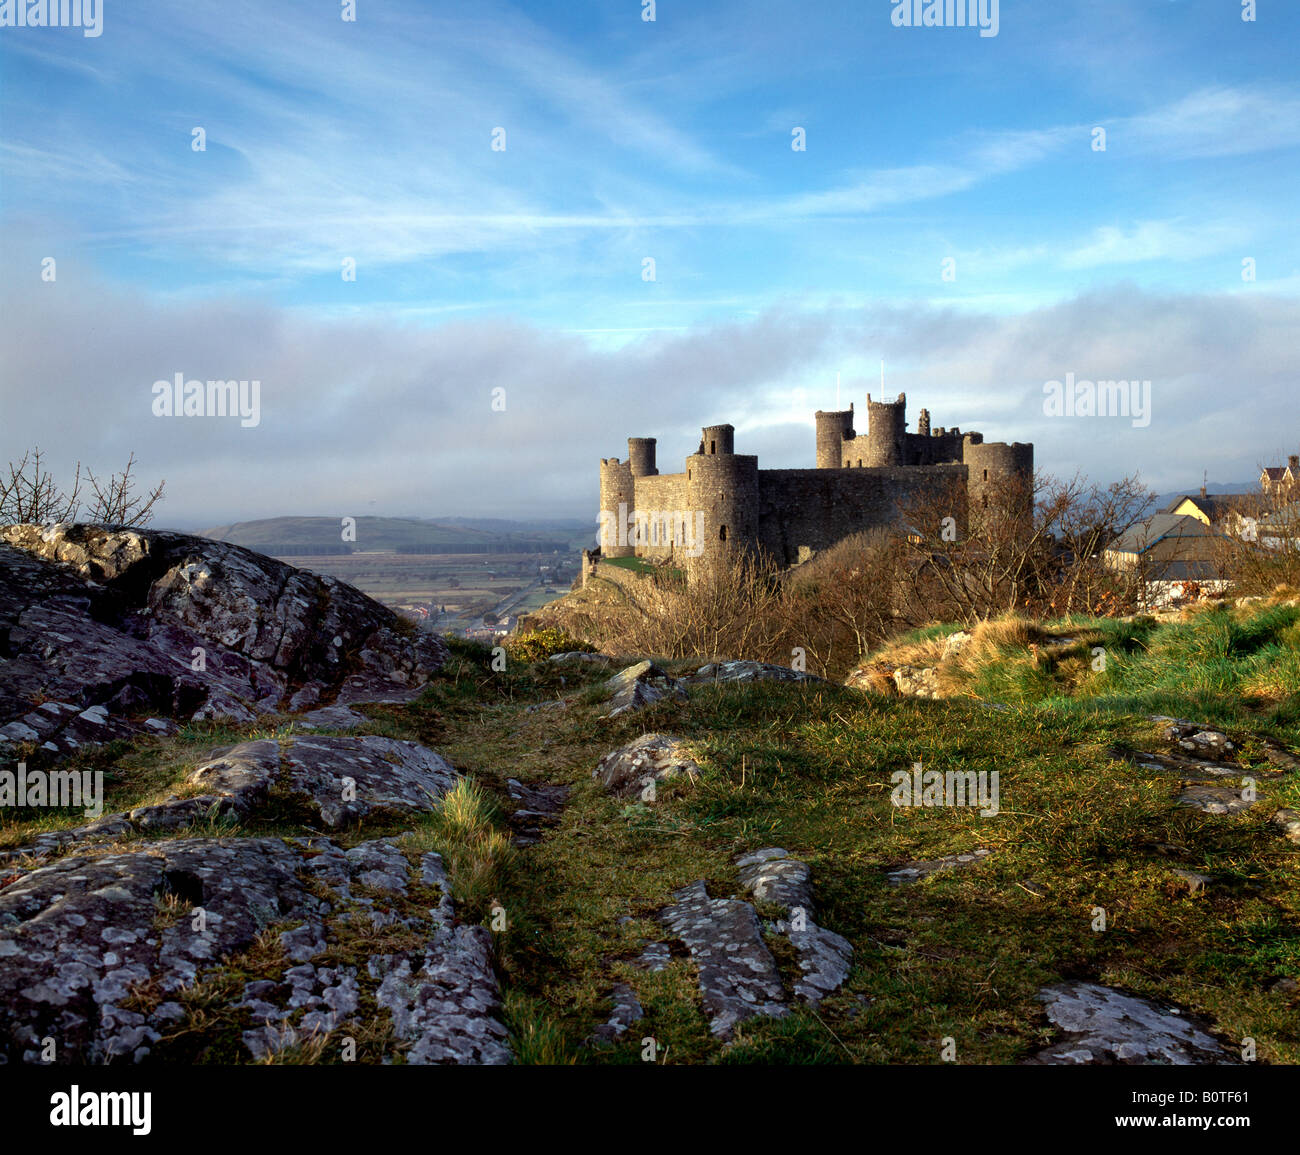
1181, 571
1215, 506
1275, 472
1142, 535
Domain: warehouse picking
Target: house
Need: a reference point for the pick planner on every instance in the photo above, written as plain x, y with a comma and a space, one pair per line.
1222, 510
1281, 480
1171, 552
1278, 529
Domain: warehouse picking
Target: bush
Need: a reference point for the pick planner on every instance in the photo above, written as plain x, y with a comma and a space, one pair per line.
538, 645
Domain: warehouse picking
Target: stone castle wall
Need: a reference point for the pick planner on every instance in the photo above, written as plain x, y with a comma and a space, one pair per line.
807, 510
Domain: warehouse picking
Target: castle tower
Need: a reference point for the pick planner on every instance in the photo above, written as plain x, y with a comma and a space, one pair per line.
724, 487
992, 466
641, 456
886, 430
834, 428
617, 500
718, 440
923, 423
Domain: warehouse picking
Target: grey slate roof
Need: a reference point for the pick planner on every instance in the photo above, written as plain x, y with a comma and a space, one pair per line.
1141, 536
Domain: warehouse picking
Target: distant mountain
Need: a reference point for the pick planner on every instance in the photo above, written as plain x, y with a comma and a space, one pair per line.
298, 536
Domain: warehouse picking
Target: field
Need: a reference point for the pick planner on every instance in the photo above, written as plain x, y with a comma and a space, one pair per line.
454, 590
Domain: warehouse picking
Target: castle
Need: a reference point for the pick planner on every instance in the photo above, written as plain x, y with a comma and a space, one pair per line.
723, 502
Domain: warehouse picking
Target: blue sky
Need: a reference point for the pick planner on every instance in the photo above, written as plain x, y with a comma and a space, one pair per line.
775, 269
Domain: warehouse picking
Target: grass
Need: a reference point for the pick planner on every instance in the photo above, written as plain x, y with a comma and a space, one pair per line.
635, 564
1221, 664
962, 954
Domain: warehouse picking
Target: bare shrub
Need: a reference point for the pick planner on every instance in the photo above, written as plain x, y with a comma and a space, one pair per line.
727, 611
1036, 546
1261, 551
30, 494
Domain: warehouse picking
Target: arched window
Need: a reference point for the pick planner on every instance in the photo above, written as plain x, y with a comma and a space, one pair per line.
713, 447
722, 533
986, 475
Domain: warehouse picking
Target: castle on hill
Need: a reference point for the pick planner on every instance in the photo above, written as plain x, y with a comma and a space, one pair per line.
722, 502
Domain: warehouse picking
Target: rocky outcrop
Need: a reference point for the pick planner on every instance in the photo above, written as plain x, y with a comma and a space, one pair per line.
1105, 1026
639, 686
1288, 822
1206, 760
747, 671
341, 780
539, 808
627, 771
109, 633
917, 681
772, 876
626, 1011
739, 977
96, 953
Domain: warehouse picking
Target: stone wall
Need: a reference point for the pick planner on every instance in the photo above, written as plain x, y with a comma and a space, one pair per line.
815, 508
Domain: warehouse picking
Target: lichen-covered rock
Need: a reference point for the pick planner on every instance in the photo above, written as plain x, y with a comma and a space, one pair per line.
347, 778
953, 644
1288, 821
106, 625
639, 686
1214, 799
747, 671
772, 876
917, 681
1106, 1026
626, 1011
626, 771
540, 807
738, 975
344, 779
94, 952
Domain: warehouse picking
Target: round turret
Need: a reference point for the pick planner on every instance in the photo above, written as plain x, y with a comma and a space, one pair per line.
718, 439
834, 428
617, 500
993, 466
641, 456
886, 429
724, 488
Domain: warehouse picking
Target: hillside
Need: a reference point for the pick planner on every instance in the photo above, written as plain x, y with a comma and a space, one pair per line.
569, 860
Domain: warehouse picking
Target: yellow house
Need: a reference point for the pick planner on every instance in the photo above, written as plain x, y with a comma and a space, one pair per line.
1223, 510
